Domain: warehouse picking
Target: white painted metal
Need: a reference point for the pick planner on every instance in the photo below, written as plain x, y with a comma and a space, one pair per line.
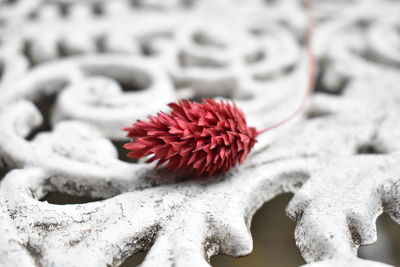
340, 157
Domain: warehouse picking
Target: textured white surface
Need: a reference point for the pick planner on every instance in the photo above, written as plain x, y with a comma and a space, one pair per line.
109, 63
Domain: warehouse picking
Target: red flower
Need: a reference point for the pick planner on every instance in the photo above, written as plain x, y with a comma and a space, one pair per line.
199, 138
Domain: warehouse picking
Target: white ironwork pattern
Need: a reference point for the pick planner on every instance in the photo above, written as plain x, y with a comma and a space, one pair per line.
104, 64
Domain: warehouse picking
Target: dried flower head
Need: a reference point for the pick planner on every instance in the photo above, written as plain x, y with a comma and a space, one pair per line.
206, 138
199, 138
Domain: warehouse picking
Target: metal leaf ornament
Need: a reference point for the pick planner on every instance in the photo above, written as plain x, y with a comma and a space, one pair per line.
198, 138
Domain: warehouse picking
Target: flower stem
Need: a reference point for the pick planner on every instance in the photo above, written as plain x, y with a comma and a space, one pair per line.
311, 69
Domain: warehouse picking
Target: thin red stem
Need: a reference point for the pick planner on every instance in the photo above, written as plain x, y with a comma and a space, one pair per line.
311, 69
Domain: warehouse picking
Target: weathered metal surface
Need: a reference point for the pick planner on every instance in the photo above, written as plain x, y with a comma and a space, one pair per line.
108, 63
